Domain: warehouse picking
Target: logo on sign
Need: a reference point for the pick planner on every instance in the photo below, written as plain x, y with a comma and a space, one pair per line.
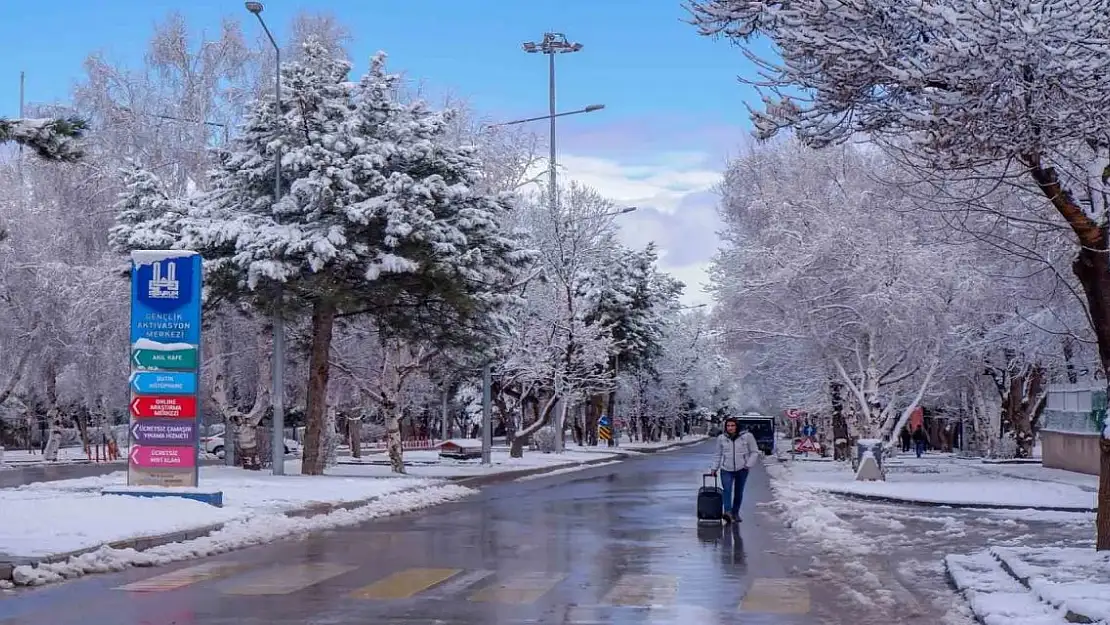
165, 285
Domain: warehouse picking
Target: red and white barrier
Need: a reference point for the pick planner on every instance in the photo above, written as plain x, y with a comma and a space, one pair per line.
420, 443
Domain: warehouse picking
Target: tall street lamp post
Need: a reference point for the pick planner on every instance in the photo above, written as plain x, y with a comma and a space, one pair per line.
277, 386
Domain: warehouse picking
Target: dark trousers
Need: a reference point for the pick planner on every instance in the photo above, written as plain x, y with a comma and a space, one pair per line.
732, 482
920, 447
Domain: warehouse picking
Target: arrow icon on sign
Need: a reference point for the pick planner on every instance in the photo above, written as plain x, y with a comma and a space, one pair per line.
134, 453
135, 358
135, 406
135, 431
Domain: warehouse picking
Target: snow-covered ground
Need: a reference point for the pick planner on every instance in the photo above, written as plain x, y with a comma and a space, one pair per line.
56, 517
1034, 586
422, 463
885, 561
938, 479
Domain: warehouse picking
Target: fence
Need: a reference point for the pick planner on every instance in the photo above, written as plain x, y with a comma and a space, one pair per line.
1075, 408
419, 443
1071, 426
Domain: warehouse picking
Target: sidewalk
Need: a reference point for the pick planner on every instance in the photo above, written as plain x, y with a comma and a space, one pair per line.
1034, 586
948, 481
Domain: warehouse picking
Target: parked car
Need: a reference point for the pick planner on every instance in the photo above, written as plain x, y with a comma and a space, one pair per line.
215, 445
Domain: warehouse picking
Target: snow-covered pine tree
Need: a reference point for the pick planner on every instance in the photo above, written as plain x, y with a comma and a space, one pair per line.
51, 139
379, 217
628, 298
146, 216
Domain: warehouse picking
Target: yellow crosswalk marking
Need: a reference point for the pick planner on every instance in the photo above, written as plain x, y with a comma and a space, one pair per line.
521, 589
183, 577
404, 584
286, 579
777, 596
643, 590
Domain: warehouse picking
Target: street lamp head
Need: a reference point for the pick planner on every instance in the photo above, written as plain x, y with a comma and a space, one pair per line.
254, 7
594, 107
627, 209
552, 43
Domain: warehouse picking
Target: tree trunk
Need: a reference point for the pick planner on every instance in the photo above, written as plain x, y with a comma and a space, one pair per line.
354, 433
542, 417
1027, 397
1069, 362
393, 415
1092, 267
323, 323
516, 449
839, 423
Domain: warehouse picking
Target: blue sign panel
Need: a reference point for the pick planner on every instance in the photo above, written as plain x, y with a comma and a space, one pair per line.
165, 296
809, 430
603, 420
164, 383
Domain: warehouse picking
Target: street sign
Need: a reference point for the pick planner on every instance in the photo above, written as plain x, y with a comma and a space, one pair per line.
604, 433
166, 287
164, 383
794, 413
140, 476
156, 406
603, 420
809, 430
164, 431
165, 296
159, 456
181, 357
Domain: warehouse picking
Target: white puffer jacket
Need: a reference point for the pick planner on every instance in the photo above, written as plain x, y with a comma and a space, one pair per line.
737, 453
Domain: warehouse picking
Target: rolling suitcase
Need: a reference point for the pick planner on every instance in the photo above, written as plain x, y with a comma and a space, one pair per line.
710, 501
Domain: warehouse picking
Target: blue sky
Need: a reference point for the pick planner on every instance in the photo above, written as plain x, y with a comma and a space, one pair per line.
674, 108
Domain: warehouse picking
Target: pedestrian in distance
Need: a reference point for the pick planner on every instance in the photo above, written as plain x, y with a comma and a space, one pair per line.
737, 452
919, 440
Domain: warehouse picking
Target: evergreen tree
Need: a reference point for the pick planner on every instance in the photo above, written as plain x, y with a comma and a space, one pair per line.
379, 216
51, 139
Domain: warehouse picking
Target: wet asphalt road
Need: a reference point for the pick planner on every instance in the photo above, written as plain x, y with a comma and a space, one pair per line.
614, 544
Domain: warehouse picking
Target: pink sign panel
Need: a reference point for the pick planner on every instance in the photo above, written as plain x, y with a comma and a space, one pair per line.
160, 456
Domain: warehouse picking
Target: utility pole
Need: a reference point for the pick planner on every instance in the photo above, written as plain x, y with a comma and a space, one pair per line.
487, 416
22, 95
552, 44
445, 427
277, 368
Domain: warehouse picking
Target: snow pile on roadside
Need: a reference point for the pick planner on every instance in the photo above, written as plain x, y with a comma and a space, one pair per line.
436, 467
236, 535
807, 515
996, 597
946, 481
1076, 580
47, 518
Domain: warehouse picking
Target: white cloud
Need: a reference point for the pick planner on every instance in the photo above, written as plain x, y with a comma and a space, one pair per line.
660, 184
674, 207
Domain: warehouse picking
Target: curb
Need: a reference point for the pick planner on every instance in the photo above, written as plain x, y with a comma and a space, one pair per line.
142, 543
507, 476
1070, 615
656, 450
970, 506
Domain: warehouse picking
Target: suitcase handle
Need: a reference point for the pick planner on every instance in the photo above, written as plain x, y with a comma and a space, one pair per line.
705, 475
